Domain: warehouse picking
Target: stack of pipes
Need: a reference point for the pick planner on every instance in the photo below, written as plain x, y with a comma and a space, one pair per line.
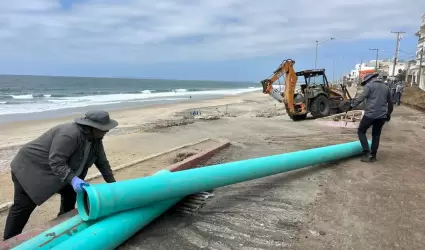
111, 213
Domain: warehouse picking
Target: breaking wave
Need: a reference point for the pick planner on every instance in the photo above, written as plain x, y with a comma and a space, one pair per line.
38, 102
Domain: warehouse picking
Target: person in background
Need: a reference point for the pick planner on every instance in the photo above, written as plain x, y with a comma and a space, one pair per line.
393, 86
378, 109
57, 162
398, 92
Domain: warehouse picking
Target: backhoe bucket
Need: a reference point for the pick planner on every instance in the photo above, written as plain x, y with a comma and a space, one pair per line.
277, 95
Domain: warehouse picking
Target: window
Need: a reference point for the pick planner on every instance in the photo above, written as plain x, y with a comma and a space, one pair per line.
316, 80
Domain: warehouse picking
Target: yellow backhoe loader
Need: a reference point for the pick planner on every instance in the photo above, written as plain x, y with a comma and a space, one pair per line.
315, 95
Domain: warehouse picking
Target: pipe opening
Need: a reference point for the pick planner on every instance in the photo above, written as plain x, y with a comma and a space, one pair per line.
86, 202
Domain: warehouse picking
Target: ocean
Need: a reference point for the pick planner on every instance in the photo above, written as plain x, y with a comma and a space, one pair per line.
33, 96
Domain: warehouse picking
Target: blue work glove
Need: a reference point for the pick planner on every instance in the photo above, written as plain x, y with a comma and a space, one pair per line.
77, 184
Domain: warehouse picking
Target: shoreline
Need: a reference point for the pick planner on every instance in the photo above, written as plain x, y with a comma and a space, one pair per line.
15, 133
135, 104
54, 115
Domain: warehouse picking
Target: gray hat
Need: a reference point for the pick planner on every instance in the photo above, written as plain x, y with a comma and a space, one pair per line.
97, 119
369, 77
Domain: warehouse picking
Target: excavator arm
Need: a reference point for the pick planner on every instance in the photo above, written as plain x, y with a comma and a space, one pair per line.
285, 68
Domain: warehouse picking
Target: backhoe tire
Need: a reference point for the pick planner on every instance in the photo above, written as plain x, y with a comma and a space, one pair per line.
320, 107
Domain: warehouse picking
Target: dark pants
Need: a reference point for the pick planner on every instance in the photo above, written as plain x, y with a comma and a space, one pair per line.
364, 125
393, 95
398, 98
23, 206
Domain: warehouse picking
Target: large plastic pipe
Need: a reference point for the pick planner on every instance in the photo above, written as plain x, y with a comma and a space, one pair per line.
55, 235
105, 199
61, 232
112, 231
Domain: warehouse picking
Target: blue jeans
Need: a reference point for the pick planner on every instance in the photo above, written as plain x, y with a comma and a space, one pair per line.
398, 98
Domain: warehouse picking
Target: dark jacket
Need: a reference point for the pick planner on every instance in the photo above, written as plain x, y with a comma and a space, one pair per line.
378, 101
47, 164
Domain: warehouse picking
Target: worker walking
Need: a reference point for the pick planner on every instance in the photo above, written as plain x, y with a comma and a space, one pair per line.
398, 92
393, 87
378, 109
57, 162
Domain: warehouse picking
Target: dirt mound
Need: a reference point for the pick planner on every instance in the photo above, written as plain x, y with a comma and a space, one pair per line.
182, 156
414, 97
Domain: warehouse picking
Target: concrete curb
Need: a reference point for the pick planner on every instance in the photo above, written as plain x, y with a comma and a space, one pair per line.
187, 163
190, 162
5, 206
94, 176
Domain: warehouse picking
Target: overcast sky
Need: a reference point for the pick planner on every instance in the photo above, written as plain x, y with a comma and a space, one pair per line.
205, 39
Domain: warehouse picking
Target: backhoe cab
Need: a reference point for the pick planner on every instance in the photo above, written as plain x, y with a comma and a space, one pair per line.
319, 98
315, 95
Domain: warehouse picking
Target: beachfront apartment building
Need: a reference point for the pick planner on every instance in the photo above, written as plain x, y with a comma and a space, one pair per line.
419, 49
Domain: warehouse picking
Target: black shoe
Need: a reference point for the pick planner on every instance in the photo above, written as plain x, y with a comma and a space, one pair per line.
373, 158
366, 157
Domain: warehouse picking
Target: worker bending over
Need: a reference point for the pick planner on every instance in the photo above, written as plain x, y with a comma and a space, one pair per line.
57, 162
378, 109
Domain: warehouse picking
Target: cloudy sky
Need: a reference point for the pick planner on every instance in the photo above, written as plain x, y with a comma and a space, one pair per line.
205, 39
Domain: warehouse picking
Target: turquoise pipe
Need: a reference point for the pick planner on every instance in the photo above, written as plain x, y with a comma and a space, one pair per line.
55, 235
101, 200
112, 231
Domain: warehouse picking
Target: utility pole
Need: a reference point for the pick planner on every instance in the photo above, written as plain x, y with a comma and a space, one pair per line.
397, 47
420, 67
334, 69
317, 47
360, 70
376, 62
407, 73
315, 57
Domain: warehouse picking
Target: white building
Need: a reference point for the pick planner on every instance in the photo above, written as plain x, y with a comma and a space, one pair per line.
354, 74
387, 68
420, 49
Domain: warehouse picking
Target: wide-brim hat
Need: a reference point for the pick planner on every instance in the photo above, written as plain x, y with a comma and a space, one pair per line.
369, 77
97, 119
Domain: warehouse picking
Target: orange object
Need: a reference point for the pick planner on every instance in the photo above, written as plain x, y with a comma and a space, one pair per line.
365, 72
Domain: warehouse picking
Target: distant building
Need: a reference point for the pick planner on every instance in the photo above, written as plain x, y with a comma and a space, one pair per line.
420, 48
359, 70
409, 73
387, 68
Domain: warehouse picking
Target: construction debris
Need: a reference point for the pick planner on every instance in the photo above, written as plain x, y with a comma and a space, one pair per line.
350, 119
350, 116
